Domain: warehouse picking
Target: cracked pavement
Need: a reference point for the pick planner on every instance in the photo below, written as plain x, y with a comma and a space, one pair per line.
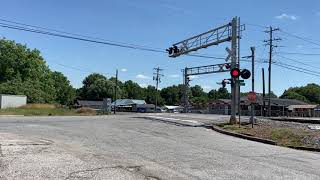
127, 147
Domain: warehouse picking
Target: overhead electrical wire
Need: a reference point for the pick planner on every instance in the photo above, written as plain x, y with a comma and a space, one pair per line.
57, 33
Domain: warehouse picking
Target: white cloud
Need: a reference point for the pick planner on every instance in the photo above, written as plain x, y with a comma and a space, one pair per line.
206, 88
143, 85
286, 16
174, 76
124, 70
141, 76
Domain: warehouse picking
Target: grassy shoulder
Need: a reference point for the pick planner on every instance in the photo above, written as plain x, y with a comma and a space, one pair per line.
47, 110
284, 136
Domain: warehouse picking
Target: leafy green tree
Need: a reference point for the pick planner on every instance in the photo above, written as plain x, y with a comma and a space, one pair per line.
171, 95
24, 71
96, 87
133, 90
65, 93
223, 93
151, 95
310, 93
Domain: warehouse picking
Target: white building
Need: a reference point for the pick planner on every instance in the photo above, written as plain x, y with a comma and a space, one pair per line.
12, 101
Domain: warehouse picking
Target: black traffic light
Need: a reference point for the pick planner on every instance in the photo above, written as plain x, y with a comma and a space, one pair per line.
175, 49
235, 72
228, 66
170, 50
224, 83
245, 74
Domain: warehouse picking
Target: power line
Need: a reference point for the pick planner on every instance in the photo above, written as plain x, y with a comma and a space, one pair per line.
309, 65
74, 34
77, 38
295, 53
301, 38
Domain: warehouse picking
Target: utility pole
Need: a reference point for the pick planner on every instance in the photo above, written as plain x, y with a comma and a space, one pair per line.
252, 56
157, 77
263, 93
115, 93
271, 46
252, 83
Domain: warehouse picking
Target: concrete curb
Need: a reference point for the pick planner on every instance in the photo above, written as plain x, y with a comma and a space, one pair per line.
251, 138
310, 121
305, 148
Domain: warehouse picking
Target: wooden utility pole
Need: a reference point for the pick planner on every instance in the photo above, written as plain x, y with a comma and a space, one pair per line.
263, 94
271, 46
115, 93
157, 77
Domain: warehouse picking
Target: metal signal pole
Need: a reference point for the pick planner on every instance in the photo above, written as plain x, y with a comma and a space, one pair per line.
157, 77
252, 81
226, 33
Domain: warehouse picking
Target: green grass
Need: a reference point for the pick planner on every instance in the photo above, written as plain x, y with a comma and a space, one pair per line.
46, 111
283, 136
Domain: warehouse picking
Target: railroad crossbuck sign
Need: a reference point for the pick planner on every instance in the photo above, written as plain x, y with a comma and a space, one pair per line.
252, 97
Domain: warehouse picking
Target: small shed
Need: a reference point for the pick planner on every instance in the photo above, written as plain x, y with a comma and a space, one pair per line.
12, 101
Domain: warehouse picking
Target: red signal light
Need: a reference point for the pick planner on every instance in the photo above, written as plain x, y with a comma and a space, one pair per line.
235, 72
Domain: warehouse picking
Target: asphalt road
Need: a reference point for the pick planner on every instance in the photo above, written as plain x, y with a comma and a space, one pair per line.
133, 147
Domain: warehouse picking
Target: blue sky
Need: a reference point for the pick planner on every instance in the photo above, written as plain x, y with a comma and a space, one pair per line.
158, 24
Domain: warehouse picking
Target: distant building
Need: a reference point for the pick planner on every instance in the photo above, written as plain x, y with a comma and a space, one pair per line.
12, 101
279, 107
128, 105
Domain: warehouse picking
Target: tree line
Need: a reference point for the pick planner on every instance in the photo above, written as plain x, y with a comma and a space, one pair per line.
23, 71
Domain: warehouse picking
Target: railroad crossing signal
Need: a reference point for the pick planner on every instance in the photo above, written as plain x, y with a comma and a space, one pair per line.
245, 74
235, 72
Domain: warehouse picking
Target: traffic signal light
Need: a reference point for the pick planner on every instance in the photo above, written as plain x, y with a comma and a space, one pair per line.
175, 49
235, 72
224, 83
245, 74
170, 50
228, 66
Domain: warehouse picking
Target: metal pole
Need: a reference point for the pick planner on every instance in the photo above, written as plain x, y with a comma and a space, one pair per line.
239, 92
234, 84
252, 78
115, 93
263, 94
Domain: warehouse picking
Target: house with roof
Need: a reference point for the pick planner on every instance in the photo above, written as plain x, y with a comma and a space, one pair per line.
127, 105
279, 107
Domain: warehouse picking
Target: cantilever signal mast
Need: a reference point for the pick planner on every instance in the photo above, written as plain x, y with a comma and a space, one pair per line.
230, 32
157, 77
